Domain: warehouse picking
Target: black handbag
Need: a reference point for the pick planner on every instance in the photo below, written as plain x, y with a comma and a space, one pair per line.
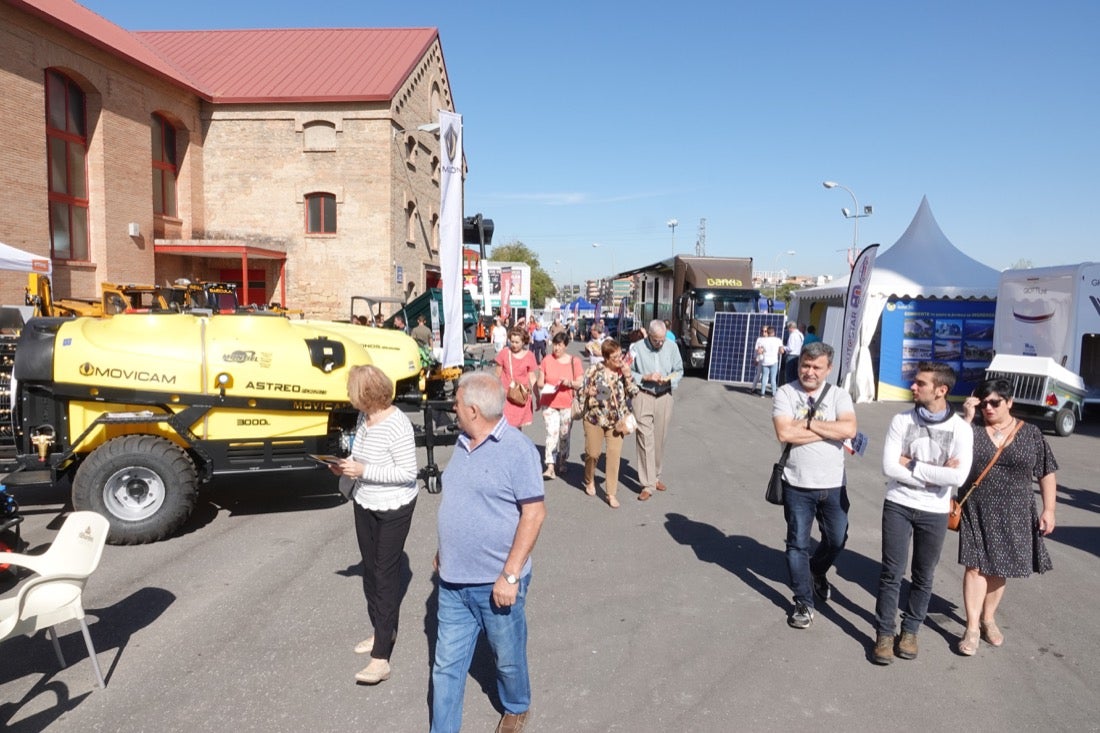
774, 493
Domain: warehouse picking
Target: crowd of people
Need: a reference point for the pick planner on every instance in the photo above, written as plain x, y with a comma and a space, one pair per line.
493, 508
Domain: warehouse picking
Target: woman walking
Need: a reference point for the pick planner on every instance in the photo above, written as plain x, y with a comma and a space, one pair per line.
383, 466
607, 385
1001, 533
518, 372
560, 374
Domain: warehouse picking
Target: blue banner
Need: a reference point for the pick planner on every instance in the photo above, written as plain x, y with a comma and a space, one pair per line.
956, 332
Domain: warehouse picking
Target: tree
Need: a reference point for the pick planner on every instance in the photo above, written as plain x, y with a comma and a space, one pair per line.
542, 285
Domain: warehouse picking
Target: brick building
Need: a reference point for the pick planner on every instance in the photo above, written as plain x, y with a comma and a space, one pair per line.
287, 161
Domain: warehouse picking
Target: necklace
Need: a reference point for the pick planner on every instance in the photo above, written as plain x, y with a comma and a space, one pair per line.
998, 433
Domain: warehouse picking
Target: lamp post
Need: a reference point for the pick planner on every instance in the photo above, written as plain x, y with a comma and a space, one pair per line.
855, 216
775, 273
672, 224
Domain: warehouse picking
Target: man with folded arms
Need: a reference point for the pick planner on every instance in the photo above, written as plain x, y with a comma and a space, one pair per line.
926, 456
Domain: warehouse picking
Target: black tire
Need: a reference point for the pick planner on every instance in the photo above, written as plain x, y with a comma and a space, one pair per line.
145, 486
1065, 421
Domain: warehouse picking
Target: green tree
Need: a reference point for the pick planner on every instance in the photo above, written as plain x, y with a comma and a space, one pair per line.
542, 285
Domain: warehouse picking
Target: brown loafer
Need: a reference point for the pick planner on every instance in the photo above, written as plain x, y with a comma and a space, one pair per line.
661, 486
644, 496
512, 722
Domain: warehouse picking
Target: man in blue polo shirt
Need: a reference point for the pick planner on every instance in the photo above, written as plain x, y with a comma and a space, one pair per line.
489, 519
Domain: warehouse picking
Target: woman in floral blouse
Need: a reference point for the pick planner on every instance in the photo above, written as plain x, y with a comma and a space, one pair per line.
607, 386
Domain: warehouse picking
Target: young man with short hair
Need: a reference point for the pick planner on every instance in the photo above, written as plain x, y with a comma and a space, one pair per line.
926, 456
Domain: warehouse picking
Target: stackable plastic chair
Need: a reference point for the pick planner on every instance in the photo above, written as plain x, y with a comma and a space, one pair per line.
54, 593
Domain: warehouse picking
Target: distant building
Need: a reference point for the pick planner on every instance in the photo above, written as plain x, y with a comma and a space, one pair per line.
287, 161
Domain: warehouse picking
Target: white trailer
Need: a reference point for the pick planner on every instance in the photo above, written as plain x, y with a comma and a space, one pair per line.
1048, 321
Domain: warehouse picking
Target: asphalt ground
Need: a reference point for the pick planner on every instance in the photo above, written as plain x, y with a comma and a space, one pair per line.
667, 615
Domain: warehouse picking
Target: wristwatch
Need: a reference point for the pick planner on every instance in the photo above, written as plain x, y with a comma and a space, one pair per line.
510, 579
911, 465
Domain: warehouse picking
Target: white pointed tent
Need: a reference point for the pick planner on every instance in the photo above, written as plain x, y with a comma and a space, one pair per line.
923, 263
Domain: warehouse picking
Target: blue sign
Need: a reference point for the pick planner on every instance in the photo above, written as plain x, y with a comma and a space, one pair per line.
956, 332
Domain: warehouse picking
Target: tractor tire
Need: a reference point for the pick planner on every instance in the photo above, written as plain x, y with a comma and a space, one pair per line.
144, 485
1065, 421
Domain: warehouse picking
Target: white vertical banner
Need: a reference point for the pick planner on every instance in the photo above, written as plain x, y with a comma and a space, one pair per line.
450, 235
854, 306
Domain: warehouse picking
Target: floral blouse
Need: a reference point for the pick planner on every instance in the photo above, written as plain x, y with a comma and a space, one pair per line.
609, 403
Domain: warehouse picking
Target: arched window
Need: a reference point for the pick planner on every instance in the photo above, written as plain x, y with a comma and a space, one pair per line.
320, 213
66, 160
165, 169
410, 223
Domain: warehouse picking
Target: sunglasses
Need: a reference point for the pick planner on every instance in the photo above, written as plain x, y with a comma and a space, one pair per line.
990, 403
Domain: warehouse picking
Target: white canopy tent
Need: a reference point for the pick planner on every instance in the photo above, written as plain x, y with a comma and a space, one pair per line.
17, 260
923, 263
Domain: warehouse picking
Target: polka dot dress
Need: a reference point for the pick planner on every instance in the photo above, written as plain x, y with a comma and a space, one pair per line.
998, 532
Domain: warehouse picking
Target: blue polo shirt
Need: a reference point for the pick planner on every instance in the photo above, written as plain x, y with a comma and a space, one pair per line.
483, 490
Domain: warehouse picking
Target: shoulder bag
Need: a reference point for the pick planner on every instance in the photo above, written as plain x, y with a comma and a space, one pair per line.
578, 400
517, 393
774, 493
954, 517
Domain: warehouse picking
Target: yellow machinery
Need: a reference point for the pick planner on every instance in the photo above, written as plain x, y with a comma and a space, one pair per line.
139, 409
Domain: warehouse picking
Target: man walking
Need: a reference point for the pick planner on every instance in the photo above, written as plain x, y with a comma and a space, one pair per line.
791, 351
657, 369
816, 420
489, 519
926, 456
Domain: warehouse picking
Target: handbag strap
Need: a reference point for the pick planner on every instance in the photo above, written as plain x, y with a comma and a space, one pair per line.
992, 461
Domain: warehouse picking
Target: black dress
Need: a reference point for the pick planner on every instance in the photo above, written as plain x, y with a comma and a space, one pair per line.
999, 530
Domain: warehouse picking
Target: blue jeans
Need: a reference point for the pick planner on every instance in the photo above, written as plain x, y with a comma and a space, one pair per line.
769, 374
800, 508
464, 612
928, 530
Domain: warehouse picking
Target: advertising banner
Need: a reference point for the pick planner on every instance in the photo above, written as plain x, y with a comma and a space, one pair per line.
956, 332
450, 233
854, 306
504, 292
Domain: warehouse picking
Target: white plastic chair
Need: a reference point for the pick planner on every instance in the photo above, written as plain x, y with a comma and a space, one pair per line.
54, 594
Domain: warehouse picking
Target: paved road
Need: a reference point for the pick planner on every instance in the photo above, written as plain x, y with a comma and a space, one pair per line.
663, 616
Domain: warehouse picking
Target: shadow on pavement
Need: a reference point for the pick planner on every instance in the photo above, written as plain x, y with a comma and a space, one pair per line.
113, 628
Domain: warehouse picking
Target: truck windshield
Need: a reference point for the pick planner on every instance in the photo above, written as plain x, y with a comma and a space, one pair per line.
707, 303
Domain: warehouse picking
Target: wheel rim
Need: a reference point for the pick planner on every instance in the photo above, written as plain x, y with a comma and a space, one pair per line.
134, 493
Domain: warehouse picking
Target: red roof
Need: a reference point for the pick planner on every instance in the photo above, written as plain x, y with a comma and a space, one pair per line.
238, 66
295, 65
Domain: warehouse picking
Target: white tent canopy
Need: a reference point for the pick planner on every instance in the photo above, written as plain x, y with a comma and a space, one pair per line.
19, 261
923, 263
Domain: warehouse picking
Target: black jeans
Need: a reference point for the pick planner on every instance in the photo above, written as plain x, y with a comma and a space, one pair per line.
928, 530
381, 537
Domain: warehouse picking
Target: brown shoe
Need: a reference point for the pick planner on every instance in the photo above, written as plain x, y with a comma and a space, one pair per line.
644, 496
884, 649
661, 486
907, 645
512, 722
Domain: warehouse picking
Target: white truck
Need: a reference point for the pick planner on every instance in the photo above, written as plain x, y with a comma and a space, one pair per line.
1046, 339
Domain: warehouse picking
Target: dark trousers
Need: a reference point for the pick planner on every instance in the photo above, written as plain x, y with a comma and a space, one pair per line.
927, 530
800, 508
538, 348
381, 537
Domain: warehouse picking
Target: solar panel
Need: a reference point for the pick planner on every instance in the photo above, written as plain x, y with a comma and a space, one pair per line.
732, 341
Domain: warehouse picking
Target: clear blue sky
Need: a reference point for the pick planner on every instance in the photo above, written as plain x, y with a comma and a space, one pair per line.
598, 122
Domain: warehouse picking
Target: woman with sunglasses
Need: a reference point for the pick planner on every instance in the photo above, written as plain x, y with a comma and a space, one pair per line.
1001, 533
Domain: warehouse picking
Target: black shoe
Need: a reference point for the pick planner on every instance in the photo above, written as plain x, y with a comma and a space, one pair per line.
822, 590
801, 617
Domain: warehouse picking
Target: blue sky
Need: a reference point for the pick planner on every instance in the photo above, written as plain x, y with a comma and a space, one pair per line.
599, 122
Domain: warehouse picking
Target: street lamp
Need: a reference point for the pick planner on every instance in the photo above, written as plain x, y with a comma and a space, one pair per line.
775, 273
672, 224
854, 215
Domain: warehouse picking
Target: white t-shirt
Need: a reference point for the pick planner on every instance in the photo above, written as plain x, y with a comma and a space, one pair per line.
771, 346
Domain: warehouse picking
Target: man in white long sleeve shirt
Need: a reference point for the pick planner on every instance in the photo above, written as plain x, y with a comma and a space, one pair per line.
926, 456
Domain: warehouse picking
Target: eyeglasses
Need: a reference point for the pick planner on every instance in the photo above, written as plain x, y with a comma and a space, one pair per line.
994, 403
